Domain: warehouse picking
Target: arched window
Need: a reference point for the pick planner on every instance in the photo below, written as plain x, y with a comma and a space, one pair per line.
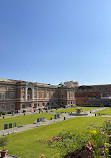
28, 96
29, 91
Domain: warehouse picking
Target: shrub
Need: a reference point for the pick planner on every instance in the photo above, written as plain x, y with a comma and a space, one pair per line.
62, 106
3, 142
24, 111
97, 141
66, 142
45, 108
9, 112
3, 113
107, 127
101, 105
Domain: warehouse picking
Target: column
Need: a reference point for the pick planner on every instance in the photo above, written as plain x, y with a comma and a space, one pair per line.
101, 95
26, 93
32, 93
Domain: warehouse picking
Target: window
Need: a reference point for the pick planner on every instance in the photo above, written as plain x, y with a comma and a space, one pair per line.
71, 102
68, 94
52, 103
62, 96
38, 104
71, 94
43, 104
28, 96
30, 105
35, 105
34, 94
12, 94
37, 94
56, 94
42, 94
3, 107
12, 106
47, 103
23, 95
35, 89
2, 96
47, 94
107, 94
23, 106
52, 94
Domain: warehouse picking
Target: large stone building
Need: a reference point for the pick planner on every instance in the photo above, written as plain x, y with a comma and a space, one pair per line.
17, 95
93, 95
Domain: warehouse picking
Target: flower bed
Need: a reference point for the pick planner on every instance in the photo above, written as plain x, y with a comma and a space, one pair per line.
80, 153
95, 145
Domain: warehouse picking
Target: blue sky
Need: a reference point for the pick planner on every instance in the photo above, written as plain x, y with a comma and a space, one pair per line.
52, 41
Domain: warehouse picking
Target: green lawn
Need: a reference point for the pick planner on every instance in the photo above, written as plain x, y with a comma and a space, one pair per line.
104, 112
26, 119
26, 145
74, 109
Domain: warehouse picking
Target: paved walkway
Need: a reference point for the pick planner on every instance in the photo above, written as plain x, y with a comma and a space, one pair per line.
10, 156
17, 115
31, 126
7, 156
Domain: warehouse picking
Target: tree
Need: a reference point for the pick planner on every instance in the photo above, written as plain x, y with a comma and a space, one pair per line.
85, 87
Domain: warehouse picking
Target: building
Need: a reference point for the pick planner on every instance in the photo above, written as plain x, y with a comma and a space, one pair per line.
17, 95
93, 95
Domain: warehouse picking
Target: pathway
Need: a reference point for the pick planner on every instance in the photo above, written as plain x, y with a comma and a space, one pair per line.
31, 126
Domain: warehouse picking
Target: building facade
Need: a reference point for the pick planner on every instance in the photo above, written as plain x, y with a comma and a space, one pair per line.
93, 95
17, 95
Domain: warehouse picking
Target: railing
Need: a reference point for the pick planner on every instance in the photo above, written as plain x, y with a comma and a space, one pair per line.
105, 97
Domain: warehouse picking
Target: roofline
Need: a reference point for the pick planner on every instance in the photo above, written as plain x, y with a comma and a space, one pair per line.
97, 85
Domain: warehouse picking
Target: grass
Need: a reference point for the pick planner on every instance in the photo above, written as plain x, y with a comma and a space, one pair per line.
104, 112
26, 145
25, 119
74, 109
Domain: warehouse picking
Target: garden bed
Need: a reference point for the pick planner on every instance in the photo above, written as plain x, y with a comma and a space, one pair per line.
80, 153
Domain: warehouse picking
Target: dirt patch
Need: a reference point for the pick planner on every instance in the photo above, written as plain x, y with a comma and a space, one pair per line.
80, 153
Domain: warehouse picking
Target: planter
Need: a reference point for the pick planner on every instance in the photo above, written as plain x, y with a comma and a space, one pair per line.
3, 153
